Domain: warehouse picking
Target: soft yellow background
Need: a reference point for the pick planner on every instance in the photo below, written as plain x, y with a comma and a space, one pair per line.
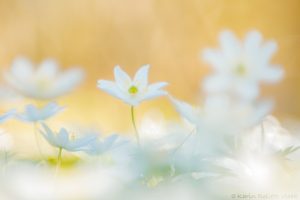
168, 34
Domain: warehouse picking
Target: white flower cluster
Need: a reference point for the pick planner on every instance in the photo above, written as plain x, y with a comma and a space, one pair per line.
231, 144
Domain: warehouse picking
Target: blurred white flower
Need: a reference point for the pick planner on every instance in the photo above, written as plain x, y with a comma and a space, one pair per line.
153, 126
220, 115
35, 114
133, 91
44, 82
64, 140
7, 115
103, 145
6, 141
268, 138
252, 171
240, 66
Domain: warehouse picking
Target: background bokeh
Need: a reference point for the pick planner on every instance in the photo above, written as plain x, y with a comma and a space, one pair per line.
168, 34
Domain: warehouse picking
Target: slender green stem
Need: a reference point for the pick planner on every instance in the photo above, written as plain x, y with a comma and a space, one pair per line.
36, 134
134, 125
59, 159
183, 142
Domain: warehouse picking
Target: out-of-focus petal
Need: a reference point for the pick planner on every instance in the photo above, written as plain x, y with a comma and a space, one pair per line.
21, 68
267, 50
63, 137
7, 115
48, 68
48, 134
252, 42
273, 74
186, 110
215, 59
81, 144
217, 83
230, 45
67, 82
248, 90
50, 109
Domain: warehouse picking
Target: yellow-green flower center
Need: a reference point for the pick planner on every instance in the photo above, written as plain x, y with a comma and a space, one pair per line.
241, 69
43, 84
133, 90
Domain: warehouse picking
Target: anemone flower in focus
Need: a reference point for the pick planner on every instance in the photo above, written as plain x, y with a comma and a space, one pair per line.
240, 66
45, 81
132, 91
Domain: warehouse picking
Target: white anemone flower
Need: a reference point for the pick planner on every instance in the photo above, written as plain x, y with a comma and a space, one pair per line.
240, 66
220, 115
43, 82
35, 114
132, 91
64, 140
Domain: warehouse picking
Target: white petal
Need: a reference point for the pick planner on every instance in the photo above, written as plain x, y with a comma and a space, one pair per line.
230, 45
267, 50
185, 110
48, 135
272, 74
50, 109
32, 113
6, 115
217, 83
22, 68
81, 143
214, 104
122, 79
252, 43
109, 141
48, 68
141, 77
66, 82
261, 111
112, 89
215, 59
247, 90
63, 138
157, 86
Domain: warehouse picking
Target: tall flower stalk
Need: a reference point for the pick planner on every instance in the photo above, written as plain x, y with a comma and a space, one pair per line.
59, 159
134, 125
36, 135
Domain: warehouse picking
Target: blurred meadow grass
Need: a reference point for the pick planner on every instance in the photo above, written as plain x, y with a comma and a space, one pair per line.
168, 34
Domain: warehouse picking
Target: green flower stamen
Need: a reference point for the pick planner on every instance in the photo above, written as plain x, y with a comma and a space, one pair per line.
241, 70
133, 90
